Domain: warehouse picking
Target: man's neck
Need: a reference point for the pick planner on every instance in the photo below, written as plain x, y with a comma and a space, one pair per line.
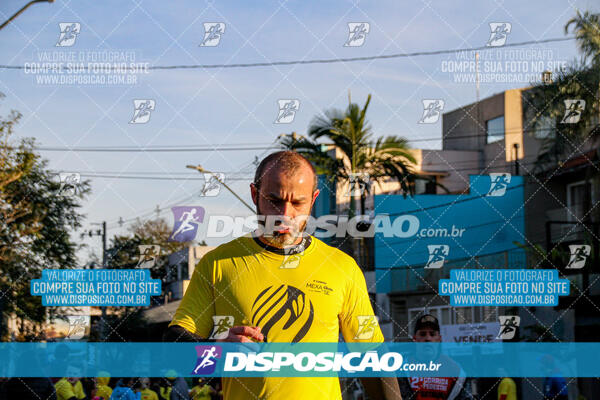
268, 243
301, 244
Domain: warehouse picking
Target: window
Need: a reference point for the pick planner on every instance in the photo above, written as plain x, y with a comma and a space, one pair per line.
576, 193
495, 129
426, 186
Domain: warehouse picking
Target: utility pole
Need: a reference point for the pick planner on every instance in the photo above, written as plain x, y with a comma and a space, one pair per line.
481, 137
104, 262
99, 232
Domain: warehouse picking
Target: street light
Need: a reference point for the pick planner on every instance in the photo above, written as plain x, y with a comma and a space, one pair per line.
215, 176
8, 21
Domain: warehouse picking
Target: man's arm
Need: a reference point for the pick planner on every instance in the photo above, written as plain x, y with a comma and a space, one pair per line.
176, 333
382, 388
357, 304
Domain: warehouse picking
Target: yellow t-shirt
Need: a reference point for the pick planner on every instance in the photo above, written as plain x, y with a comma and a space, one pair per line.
64, 389
102, 389
508, 388
104, 392
308, 297
165, 392
78, 389
149, 394
201, 392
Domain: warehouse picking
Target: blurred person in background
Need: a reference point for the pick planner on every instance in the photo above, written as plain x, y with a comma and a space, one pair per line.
123, 390
427, 330
555, 385
179, 388
145, 392
507, 389
165, 388
201, 390
103, 390
69, 389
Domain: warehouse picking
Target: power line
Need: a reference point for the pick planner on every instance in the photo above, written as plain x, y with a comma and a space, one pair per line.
334, 60
156, 178
241, 146
237, 176
121, 222
168, 173
150, 149
159, 211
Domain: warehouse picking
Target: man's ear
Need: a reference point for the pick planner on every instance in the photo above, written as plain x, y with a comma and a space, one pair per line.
254, 193
315, 194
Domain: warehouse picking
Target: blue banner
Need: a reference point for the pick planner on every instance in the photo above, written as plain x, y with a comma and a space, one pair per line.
80, 359
95, 287
504, 287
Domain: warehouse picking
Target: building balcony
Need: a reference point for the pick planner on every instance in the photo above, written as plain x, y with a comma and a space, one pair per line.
565, 224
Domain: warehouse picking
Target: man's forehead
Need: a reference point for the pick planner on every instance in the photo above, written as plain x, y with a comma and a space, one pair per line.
295, 195
275, 181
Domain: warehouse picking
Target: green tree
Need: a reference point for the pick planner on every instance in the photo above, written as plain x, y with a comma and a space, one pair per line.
363, 162
36, 220
585, 28
123, 251
128, 323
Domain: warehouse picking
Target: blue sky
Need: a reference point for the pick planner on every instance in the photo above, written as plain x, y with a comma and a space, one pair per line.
238, 106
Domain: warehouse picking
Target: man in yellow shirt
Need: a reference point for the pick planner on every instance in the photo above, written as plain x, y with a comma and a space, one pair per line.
103, 391
507, 389
145, 392
280, 285
201, 391
69, 389
165, 391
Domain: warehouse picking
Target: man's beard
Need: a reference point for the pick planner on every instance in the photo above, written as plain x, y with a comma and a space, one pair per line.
282, 239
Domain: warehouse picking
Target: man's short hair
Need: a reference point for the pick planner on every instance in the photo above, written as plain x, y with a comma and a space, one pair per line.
285, 161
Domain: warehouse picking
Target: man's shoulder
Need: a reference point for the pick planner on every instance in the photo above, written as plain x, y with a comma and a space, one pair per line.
340, 258
345, 265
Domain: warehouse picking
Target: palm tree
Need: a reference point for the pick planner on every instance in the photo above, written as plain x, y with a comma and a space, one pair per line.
362, 158
587, 34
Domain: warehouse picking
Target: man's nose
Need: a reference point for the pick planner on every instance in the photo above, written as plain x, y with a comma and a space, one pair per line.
288, 210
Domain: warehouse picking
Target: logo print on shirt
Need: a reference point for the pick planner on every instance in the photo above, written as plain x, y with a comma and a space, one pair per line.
272, 304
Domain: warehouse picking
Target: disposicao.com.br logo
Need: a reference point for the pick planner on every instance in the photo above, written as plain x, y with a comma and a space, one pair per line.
326, 226
351, 362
